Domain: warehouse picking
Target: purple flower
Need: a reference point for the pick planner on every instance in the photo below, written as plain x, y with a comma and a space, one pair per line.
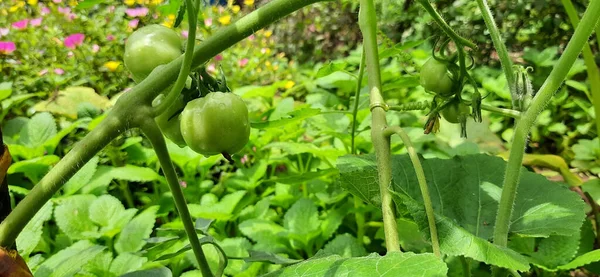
45, 10
243, 62
74, 40
36, 22
137, 12
64, 10
59, 71
4, 31
134, 23
20, 25
7, 47
110, 37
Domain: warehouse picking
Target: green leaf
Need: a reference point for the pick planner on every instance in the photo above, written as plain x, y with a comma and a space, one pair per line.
100, 181
40, 128
393, 264
82, 177
585, 259
31, 235
34, 168
76, 262
331, 68
291, 117
132, 237
66, 101
154, 272
5, 90
223, 210
105, 209
72, 217
82, 250
332, 221
259, 256
302, 218
555, 251
134, 174
345, 246
260, 229
126, 262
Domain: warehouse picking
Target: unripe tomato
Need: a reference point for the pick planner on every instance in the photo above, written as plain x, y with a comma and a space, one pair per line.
149, 47
217, 123
436, 78
169, 122
452, 112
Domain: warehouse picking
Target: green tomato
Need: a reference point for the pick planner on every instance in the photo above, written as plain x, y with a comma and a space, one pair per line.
436, 78
169, 121
453, 111
149, 47
215, 124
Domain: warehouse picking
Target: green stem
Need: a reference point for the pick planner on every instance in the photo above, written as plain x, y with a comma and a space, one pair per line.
367, 20
187, 62
414, 158
150, 129
506, 112
590, 63
444, 26
127, 193
361, 72
544, 95
142, 94
83, 151
498, 44
465, 266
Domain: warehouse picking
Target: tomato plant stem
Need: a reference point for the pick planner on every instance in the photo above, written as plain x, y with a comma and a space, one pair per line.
361, 73
111, 127
444, 26
544, 95
499, 45
503, 111
367, 20
590, 63
150, 129
414, 158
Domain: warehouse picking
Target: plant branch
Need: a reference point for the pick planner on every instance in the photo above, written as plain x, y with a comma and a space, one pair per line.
544, 95
414, 158
506, 112
498, 44
367, 20
444, 26
361, 72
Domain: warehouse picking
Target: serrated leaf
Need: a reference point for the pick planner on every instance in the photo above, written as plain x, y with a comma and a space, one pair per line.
100, 181
76, 262
585, 259
223, 210
34, 168
126, 262
31, 235
154, 272
331, 68
134, 174
40, 128
291, 117
346, 246
53, 262
302, 218
66, 101
72, 217
132, 237
260, 229
393, 264
555, 251
82, 177
105, 209
260, 256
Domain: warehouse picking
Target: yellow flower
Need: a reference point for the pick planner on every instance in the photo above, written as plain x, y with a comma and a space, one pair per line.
73, 3
141, 2
258, 70
32, 2
225, 20
235, 8
112, 65
268, 64
129, 2
289, 84
155, 2
169, 21
248, 2
275, 67
268, 33
16, 7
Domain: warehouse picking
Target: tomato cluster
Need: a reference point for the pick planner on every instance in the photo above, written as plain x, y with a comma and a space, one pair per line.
214, 124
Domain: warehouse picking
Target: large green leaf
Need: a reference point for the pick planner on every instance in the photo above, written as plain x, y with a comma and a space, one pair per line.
31, 235
38, 130
465, 192
395, 264
132, 237
223, 210
70, 260
66, 101
73, 218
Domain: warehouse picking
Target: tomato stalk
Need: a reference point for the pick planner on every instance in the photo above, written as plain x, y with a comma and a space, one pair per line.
542, 98
359, 217
444, 26
121, 117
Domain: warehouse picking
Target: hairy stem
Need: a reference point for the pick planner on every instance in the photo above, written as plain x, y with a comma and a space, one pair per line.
544, 95
444, 26
506, 112
150, 129
414, 158
367, 20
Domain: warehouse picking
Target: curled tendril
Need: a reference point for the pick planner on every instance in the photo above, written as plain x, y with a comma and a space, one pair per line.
412, 106
443, 46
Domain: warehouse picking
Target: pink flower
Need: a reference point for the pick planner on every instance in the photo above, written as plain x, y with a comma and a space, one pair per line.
44, 10
110, 37
59, 71
7, 47
183, 184
95, 48
244, 159
42, 72
70, 54
74, 40
208, 22
4, 31
56, 1
134, 23
36, 22
137, 12
64, 10
20, 25
211, 68
184, 33
251, 38
243, 62
218, 58
111, 9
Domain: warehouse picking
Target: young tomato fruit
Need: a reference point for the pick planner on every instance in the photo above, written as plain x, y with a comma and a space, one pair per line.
149, 47
215, 124
169, 121
436, 78
453, 111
